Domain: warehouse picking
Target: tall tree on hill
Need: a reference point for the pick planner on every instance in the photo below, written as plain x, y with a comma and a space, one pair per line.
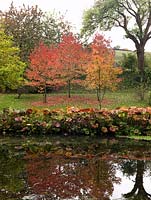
134, 16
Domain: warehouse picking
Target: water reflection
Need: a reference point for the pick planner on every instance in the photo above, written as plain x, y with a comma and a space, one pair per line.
52, 177
12, 176
137, 169
60, 178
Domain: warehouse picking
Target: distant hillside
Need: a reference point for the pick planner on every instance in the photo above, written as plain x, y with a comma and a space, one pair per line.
122, 50
119, 54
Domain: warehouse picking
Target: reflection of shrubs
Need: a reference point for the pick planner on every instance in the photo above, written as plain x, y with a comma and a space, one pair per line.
74, 121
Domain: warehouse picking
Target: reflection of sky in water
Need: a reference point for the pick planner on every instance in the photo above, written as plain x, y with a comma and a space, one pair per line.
127, 184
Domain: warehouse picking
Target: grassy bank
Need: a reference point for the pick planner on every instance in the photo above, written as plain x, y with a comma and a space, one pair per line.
82, 100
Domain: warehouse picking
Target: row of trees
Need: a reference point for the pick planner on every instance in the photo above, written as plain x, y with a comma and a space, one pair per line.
30, 25
70, 62
42, 49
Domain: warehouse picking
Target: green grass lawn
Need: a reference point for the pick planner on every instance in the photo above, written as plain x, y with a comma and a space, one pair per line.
82, 100
148, 138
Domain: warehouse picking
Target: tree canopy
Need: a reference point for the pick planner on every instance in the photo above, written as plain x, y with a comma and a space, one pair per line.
43, 68
101, 74
11, 67
25, 26
71, 56
134, 16
54, 27
30, 25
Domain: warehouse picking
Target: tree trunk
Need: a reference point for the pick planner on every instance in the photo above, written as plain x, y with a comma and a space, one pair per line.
141, 67
69, 88
98, 92
141, 59
138, 186
45, 94
100, 95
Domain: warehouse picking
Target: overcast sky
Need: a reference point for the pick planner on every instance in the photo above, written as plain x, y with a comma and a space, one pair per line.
73, 11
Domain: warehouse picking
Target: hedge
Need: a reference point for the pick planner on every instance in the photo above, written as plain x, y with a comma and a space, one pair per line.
122, 121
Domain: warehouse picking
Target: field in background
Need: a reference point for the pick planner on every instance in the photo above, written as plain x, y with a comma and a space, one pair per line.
120, 52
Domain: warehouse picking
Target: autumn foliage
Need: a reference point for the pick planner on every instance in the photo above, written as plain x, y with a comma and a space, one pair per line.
57, 65
71, 57
69, 62
100, 70
43, 69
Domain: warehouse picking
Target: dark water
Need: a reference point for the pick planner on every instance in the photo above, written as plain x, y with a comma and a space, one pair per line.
74, 169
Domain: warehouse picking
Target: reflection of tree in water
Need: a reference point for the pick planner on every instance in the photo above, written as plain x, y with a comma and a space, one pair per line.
12, 176
99, 175
60, 178
138, 191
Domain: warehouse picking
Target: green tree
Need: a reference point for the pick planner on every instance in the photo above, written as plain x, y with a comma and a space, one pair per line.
131, 76
128, 61
11, 67
134, 16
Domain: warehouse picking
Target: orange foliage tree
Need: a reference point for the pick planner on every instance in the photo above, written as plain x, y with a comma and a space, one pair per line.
43, 69
101, 74
71, 57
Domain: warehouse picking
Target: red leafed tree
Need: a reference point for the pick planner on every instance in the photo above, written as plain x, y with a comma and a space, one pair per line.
71, 57
43, 69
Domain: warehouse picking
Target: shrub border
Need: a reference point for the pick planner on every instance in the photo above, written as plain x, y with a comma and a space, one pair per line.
74, 121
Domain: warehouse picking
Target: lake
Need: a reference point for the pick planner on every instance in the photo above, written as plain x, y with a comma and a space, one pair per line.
74, 168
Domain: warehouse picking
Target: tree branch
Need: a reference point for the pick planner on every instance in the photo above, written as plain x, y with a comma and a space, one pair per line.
128, 8
134, 2
124, 26
146, 34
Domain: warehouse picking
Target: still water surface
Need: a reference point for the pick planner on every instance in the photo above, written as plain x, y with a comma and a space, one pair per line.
56, 169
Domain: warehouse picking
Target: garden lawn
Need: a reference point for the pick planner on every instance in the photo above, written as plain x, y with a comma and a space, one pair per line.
112, 100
